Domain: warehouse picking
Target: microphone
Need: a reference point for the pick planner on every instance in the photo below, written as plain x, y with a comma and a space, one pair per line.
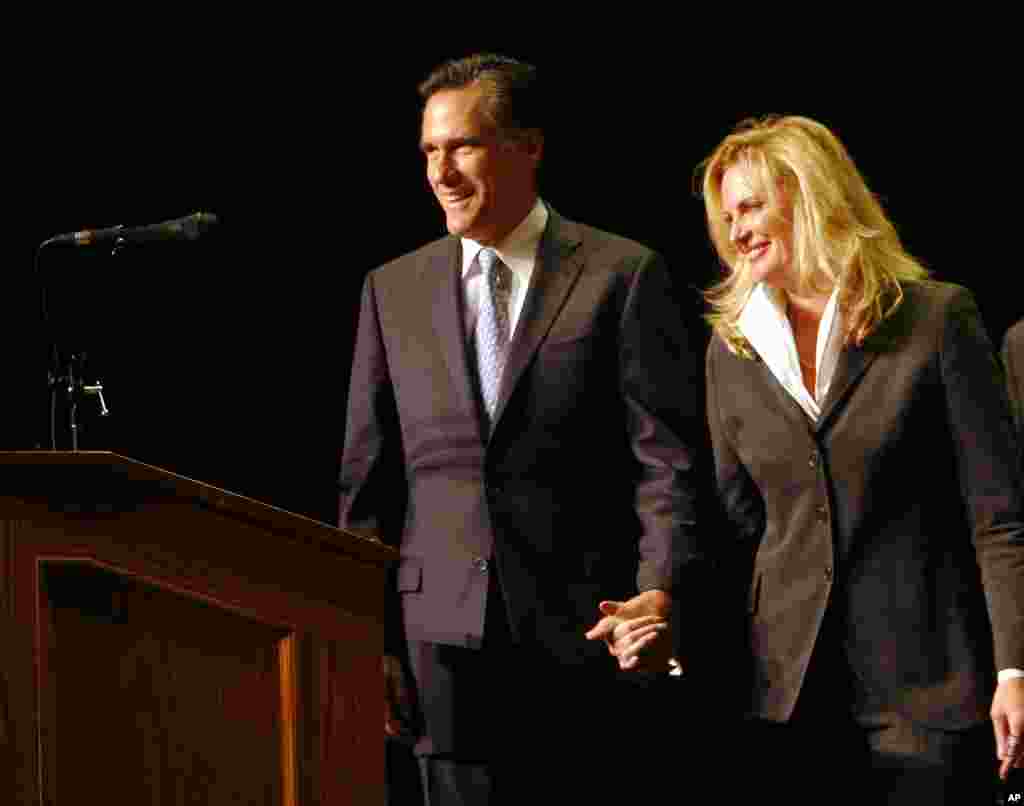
179, 229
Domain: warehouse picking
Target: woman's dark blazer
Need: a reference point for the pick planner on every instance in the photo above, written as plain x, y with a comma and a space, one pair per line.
901, 506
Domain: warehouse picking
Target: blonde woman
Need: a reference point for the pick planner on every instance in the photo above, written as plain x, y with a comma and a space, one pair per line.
865, 456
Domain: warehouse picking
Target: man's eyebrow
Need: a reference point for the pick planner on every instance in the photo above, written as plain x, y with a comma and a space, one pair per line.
454, 142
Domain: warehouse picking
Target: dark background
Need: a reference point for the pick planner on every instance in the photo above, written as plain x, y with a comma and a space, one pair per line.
227, 359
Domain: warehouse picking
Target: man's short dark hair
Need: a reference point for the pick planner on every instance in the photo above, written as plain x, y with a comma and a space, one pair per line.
515, 104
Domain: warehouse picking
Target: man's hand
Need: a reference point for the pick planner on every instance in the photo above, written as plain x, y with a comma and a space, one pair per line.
1008, 721
398, 702
637, 631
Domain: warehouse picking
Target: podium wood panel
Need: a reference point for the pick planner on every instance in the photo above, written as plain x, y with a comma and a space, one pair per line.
181, 644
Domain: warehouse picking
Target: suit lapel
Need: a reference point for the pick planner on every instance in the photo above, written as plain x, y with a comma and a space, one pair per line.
853, 363
559, 263
789, 406
442, 276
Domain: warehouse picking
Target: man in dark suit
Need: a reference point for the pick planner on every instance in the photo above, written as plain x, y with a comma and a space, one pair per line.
521, 418
1013, 361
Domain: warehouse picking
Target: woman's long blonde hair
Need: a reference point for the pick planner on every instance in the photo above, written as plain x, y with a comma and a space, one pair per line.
840, 232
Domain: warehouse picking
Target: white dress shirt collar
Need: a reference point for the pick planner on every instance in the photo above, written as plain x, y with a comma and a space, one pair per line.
518, 250
765, 325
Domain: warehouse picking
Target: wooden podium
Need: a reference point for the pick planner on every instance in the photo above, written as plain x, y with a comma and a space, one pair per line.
166, 642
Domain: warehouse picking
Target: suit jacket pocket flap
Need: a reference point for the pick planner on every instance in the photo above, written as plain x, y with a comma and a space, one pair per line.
410, 576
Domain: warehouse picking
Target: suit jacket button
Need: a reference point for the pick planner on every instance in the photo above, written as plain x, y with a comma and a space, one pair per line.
481, 565
828, 573
812, 462
822, 514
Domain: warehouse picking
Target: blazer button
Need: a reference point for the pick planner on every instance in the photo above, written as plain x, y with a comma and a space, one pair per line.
828, 573
822, 514
481, 565
812, 462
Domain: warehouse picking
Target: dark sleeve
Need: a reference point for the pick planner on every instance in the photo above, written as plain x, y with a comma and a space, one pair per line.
987, 455
733, 521
372, 481
1012, 359
742, 506
372, 484
661, 390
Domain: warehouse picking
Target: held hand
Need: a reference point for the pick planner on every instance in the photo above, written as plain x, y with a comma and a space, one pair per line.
1008, 721
398, 708
636, 631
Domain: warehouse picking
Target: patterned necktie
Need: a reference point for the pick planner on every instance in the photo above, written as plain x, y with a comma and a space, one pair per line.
492, 327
